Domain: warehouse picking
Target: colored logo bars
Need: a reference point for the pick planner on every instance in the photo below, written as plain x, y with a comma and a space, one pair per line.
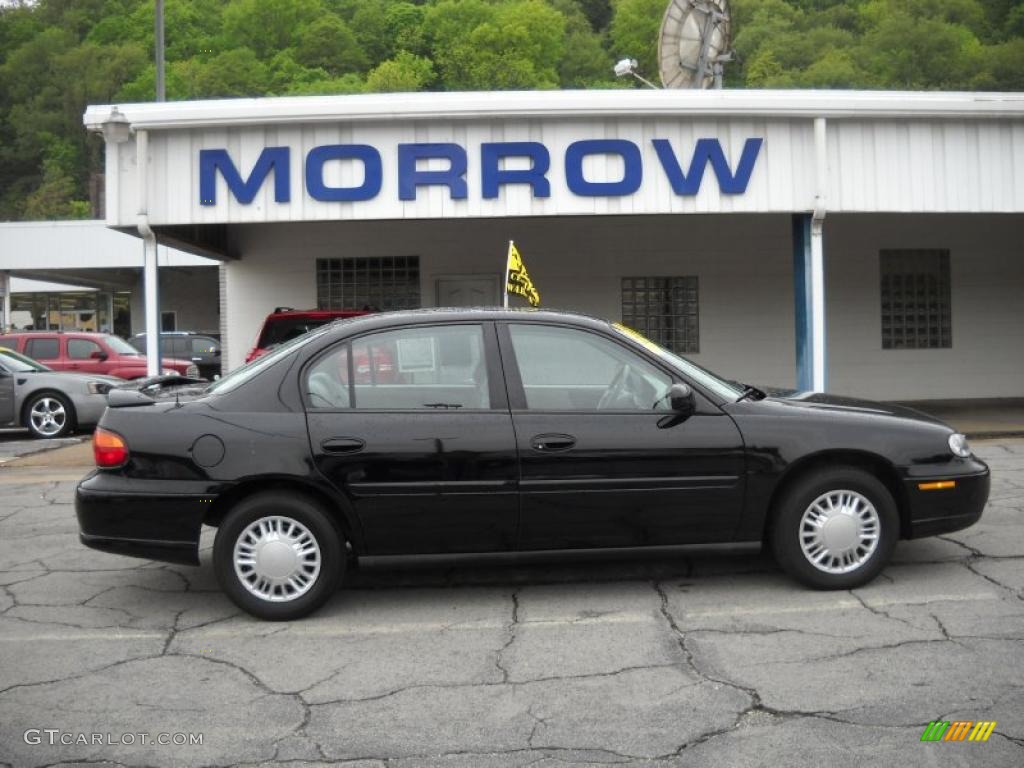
517, 280
958, 730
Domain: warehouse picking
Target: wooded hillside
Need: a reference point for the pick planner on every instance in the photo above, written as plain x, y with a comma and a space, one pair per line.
57, 56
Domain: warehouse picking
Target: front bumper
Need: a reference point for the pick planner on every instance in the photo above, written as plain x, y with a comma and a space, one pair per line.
141, 518
932, 512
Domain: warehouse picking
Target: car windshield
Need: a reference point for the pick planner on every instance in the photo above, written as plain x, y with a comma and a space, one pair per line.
119, 345
691, 370
18, 363
239, 376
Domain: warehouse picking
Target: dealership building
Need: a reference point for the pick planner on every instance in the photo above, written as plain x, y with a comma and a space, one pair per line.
868, 243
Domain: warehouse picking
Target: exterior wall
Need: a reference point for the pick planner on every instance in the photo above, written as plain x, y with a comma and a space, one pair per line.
987, 274
746, 324
192, 292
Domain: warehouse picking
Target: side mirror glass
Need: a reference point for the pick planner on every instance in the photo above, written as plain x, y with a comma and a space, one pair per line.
99, 355
680, 397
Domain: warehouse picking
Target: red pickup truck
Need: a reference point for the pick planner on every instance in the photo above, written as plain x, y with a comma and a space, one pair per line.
85, 352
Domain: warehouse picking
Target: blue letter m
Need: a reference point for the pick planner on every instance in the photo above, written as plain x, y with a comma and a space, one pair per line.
708, 151
276, 159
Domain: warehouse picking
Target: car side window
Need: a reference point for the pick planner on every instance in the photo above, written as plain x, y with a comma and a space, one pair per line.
81, 349
43, 349
566, 369
422, 368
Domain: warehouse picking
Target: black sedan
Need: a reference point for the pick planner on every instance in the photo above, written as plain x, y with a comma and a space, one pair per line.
444, 431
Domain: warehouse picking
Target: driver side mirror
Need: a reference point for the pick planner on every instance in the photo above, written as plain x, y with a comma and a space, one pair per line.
680, 397
99, 355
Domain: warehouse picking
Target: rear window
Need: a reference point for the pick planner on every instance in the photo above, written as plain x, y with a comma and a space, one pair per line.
43, 349
288, 328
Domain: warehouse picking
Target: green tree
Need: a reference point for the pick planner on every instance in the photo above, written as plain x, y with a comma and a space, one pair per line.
267, 26
329, 44
405, 72
634, 33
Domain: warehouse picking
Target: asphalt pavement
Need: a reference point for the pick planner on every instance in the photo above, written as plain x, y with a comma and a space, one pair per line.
660, 659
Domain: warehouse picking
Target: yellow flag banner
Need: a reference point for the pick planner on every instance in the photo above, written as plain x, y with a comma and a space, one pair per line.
517, 280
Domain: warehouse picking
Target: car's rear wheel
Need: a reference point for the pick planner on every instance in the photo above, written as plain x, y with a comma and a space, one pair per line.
836, 528
278, 555
49, 415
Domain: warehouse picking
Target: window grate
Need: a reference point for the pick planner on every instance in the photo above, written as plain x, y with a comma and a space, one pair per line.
916, 305
390, 282
665, 309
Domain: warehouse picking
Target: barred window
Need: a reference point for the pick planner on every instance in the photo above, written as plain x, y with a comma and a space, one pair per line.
390, 282
916, 306
665, 309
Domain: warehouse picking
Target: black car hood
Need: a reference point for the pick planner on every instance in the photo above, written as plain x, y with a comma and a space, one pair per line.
826, 402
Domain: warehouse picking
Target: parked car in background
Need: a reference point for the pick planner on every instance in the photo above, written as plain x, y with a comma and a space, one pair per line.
285, 324
203, 349
502, 431
49, 403
85, 352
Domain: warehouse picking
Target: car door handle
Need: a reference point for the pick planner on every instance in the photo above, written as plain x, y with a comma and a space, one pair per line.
343, 445
552, 443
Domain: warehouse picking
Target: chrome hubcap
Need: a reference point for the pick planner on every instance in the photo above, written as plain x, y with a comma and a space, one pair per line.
48, 416
839, 531
277, 559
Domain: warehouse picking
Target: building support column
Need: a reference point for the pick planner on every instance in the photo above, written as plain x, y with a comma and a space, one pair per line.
809, 278
5, 289
150, 277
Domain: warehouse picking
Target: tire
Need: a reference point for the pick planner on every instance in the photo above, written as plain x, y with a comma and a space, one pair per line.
835, 528
283, 582
48, 415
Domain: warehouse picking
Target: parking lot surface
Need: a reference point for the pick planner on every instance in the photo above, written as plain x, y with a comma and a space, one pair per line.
655, 659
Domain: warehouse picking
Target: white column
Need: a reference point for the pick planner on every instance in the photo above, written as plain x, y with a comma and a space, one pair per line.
151, 292
817, 266
5, 289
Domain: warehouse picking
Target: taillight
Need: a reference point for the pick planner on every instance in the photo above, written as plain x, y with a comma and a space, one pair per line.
109, 449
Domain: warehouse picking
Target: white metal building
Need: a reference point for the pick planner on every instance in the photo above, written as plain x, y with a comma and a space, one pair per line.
870, 243
82, 275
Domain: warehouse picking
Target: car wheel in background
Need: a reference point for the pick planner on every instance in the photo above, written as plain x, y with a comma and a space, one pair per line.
835, 529
278, 556
49, 415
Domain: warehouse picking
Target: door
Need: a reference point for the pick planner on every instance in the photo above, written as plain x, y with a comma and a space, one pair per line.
45, 349
467, 291
412, 425
604, 461
85, 356
6, 395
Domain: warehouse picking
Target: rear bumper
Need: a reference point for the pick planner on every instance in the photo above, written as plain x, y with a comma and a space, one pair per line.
941, 511
141, 518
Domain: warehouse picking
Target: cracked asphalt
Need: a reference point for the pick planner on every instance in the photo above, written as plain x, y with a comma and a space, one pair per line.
654, 659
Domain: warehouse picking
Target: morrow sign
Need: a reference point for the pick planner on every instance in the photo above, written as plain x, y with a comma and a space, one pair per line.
684, 181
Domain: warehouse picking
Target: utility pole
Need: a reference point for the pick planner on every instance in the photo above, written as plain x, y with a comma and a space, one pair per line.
161, 93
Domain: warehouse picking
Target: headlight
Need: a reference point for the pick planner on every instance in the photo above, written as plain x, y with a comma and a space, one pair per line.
958, 445
167, 372
98, 387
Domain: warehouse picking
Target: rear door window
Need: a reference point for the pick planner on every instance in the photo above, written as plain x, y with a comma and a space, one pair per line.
43, 349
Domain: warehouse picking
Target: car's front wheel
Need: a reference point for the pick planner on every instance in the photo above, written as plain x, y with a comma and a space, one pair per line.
835, 528
278, 556
48, 415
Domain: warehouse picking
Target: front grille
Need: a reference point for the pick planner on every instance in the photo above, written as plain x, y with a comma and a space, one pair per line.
192, 372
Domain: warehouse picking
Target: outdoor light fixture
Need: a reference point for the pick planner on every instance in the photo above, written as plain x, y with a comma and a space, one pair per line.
116, 127
628, 67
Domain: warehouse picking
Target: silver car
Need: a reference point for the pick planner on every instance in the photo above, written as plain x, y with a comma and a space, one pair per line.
49, 403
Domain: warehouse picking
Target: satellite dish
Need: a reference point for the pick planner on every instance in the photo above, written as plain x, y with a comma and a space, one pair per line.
694, 43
